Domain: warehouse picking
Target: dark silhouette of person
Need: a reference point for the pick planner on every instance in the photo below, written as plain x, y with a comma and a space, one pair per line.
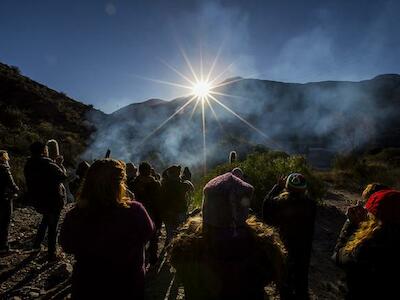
369, 245
107, 233
186, 174
46, 192
8, 189
156, 175
80, 172
233, 157
147, 190
174, 199
293, 212
225, 254
131, 173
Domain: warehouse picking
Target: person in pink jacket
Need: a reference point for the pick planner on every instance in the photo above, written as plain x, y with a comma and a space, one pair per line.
107, 234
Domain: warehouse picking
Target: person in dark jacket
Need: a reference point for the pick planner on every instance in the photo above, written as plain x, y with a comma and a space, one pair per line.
186, 174
370, 251
174, 193
8, 189
131, 173
46, 192
147, 191
290, 209
107, 234
225, 254
81, 171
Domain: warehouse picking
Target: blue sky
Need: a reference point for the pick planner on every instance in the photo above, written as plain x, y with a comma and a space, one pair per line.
98, 51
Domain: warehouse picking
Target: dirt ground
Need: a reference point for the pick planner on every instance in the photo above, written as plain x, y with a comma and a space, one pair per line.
26, 275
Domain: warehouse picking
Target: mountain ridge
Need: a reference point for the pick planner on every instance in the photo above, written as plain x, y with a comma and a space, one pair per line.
338, 115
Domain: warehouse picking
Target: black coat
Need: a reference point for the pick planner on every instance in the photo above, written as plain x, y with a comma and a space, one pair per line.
44, 182
147, 191
7, 184
294, 215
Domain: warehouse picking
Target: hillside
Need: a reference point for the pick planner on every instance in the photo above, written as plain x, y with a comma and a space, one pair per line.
314, 119
30, 111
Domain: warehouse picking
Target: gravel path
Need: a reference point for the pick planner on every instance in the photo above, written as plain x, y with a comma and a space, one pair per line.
26, 275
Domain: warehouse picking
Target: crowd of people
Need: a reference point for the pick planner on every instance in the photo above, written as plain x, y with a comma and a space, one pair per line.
224, 251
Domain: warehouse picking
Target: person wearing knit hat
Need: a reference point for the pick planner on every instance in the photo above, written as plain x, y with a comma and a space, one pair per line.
296, 182
226, 201
369, 250
356, 214
289, 208
225, 254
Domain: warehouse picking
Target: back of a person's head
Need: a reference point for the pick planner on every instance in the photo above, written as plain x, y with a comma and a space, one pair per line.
131, 169
186, 174
296, 183
383, 209
232, 157
82, 169
373, 188
37, 149
174, 172
4, 156
226, 201
53, 149
104, 185
238, 172
144, 169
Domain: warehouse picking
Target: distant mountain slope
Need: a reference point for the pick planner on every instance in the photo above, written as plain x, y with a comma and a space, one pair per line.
30, 111
333, 115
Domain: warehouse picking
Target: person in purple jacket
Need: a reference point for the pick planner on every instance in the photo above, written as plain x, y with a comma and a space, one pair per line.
107, 234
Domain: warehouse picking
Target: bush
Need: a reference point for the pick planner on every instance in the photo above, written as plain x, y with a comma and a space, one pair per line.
354, 172
261, 170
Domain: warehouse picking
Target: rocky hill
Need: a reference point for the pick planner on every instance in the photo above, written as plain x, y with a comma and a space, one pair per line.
30, 111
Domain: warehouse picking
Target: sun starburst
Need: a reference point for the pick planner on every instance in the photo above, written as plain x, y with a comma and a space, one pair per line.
202, 91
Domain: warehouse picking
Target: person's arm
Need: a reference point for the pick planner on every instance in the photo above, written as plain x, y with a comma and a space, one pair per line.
355, 215
275, 191
144, 222
189, 186
270, 211
57, 172
10, 183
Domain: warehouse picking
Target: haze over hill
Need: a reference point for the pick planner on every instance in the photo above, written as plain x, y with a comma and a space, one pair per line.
340, 116
336, 115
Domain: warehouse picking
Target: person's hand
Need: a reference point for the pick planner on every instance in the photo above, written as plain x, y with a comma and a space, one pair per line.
59, 160
357, 214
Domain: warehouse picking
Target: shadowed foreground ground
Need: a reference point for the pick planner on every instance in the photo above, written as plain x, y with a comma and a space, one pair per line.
25, 275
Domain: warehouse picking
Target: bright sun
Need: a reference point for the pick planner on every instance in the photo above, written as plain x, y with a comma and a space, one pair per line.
204, 92
201, 89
